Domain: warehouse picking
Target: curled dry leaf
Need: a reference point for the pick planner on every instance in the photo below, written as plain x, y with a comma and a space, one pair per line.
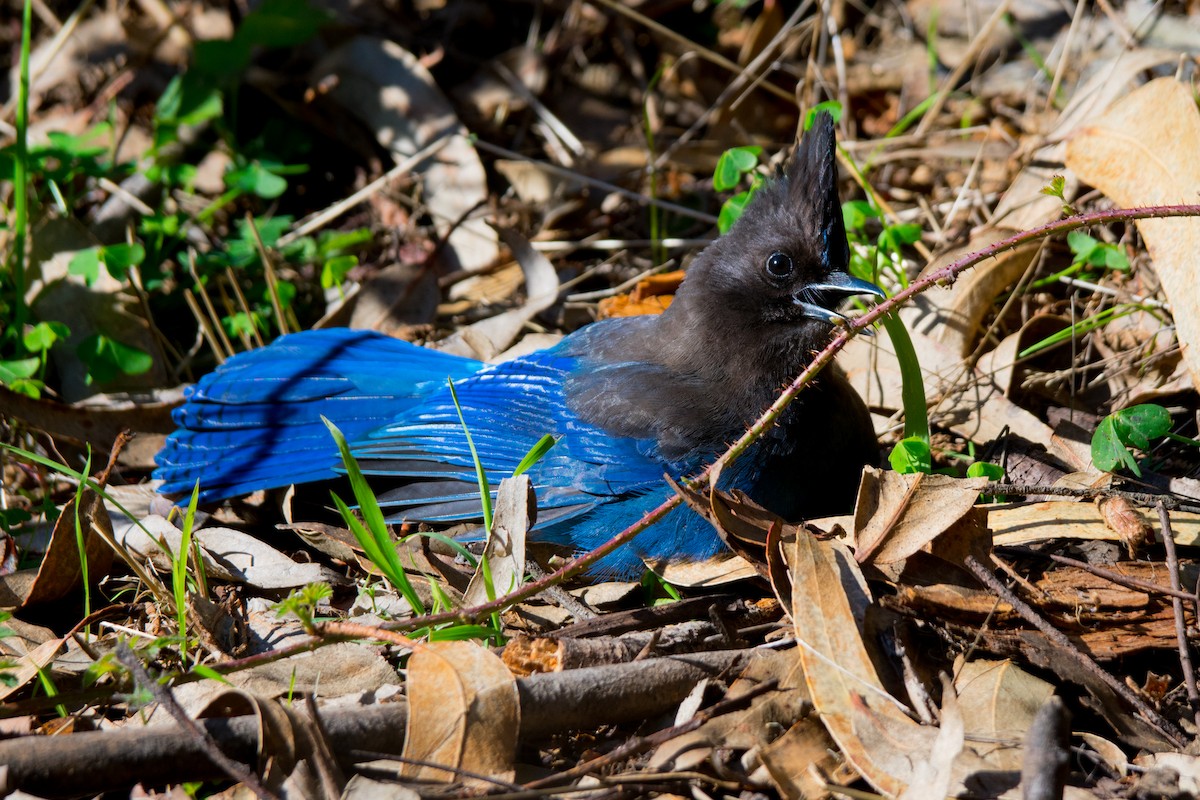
1143, 152
1127, 522
463, 713
898, 515
751, 727
293, 756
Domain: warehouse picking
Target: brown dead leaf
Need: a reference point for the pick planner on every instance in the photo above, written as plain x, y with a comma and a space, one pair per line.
865, 721
61, 570
873, 730
485, 339
463, 712
898, 515
999, 700
1143, 152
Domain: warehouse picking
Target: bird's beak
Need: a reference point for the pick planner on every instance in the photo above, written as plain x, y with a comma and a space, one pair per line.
820, 300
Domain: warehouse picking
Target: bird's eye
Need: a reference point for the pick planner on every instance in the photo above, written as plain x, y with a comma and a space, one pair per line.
779, 265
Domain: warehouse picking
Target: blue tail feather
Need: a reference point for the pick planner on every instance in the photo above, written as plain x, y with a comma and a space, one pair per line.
255, 423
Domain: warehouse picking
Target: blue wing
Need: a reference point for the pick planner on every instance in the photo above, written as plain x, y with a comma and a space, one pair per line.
255, 422
589, 486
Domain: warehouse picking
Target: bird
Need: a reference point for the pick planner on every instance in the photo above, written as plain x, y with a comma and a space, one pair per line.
628, 400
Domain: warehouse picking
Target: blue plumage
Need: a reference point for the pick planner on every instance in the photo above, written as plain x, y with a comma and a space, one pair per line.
629, 400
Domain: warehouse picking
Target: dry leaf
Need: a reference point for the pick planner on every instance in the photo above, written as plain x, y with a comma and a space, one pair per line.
1127, 522
934, 775
228, 555
61, 570
898, 515
999, 701
1037, 522
463, 712
1143, 152
485, 339
966, 401
516, 507
872, 729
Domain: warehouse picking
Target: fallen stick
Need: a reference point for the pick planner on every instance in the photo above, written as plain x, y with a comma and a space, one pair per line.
99, 761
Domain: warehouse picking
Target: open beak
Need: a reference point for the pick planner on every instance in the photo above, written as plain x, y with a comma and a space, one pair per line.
820, 300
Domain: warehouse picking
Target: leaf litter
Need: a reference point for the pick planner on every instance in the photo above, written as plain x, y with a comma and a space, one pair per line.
865, 651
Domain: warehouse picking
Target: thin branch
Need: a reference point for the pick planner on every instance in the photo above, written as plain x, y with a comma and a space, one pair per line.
1185, 658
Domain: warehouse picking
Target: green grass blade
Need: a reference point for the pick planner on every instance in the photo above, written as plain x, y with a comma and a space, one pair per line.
21, 176
179, 562
485, 491
535, 454
374, 538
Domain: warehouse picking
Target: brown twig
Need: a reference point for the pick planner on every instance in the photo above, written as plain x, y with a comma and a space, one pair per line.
234, 769
1145, 499
1152, 717
1185, 658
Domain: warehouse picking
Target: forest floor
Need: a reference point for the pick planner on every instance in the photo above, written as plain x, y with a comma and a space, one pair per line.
1008, 611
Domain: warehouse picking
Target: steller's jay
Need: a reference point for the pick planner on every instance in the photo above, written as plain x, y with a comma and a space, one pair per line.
628, 399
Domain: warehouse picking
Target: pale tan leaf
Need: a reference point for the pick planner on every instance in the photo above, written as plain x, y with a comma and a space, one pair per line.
1143, 152
505, 548
1036, 522
999, 701
463, 712
933, 776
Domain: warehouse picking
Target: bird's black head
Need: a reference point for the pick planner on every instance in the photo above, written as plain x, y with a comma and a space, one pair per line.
782, 269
